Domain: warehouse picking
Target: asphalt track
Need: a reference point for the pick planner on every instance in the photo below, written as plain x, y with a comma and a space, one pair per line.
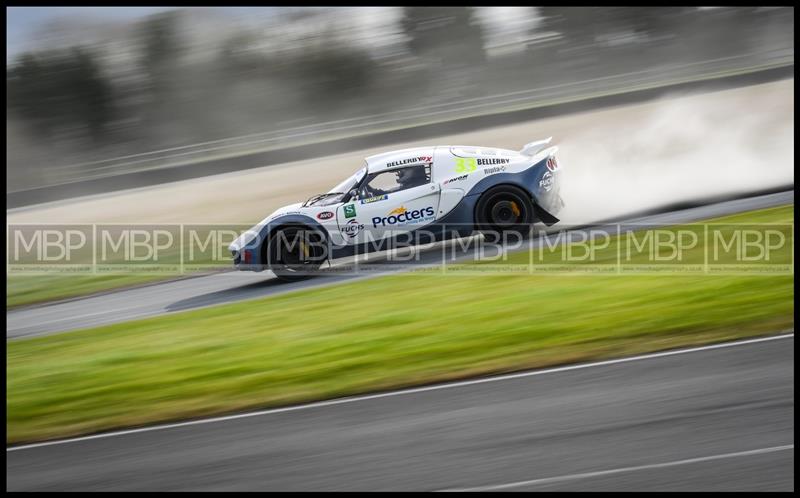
220, 288
714, 418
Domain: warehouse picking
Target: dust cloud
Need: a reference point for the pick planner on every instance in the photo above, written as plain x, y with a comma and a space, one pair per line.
616, 161
677, 150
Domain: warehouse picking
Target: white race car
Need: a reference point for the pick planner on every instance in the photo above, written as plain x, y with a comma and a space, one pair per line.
424, 193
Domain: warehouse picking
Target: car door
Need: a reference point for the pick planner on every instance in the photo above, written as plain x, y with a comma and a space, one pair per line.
384, 207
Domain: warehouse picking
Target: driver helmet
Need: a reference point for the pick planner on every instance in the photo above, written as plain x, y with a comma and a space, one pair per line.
410, 177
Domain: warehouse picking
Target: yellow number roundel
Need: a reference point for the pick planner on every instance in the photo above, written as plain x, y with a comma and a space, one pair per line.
466, 165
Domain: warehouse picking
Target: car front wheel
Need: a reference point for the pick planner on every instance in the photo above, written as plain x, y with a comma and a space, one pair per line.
295, 253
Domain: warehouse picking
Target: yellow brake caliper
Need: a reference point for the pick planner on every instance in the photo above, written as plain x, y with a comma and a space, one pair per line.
515, 209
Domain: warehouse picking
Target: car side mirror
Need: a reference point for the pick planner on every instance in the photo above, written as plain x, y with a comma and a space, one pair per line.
353, 194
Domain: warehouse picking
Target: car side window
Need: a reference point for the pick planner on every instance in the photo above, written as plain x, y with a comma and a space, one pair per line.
387, 182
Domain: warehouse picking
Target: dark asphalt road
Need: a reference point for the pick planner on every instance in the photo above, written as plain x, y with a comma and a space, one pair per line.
708, 419
182, 295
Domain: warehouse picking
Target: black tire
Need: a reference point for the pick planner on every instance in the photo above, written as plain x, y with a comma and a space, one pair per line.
505, 209
290, 257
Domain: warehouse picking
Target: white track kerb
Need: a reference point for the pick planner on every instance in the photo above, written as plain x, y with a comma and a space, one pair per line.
450, 385
601, 473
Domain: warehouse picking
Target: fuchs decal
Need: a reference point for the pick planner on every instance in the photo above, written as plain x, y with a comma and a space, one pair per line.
547, 181
352, 228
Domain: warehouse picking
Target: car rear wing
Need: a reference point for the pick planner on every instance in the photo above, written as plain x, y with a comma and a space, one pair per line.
534, 147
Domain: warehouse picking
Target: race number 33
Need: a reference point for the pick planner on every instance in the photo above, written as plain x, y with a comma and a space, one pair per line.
466, 165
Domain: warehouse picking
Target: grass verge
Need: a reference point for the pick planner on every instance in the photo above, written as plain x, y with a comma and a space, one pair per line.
23, 290
382, 333
118, 270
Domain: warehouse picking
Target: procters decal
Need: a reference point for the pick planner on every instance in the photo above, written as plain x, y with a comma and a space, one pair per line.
403, 216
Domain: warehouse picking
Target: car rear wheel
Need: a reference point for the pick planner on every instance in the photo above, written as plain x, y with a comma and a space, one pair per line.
295, 253
505, 209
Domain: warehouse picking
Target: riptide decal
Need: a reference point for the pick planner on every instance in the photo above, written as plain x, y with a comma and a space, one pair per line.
403, 216
493, 170
350, 211
375, 199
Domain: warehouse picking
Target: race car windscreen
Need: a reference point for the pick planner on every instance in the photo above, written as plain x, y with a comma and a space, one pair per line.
336, 194
351, 182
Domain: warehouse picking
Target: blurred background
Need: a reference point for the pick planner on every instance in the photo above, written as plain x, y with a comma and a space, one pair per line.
95, 91
677, 118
